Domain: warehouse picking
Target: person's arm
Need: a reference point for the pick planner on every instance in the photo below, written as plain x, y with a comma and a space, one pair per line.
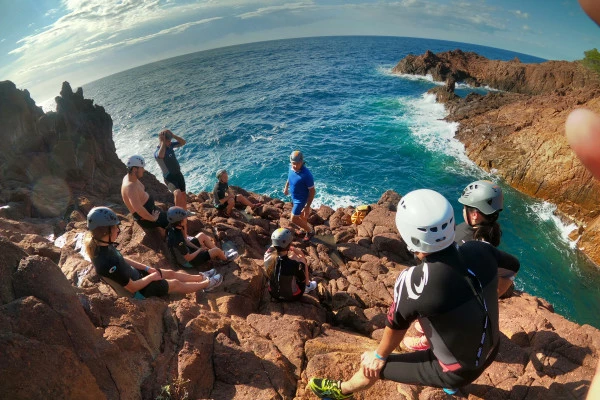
163, 146
138, 265
134, 286
372, 362
180, 141
311, 196
286, 188
134, 199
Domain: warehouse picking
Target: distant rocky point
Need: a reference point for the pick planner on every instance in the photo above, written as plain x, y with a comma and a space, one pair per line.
65, 334
518, 132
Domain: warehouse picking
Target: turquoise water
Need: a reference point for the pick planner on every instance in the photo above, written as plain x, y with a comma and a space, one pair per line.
362, 129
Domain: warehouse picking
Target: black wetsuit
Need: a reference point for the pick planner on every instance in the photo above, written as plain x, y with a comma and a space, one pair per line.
162, 220
464, 233
287, 281
219, 192
170, 168
110, 264
178, 249
451, 305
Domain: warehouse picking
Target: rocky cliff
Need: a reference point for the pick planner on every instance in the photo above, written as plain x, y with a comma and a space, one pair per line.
519, 132
65, 334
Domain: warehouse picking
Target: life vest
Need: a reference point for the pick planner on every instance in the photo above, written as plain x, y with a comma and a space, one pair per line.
360, 213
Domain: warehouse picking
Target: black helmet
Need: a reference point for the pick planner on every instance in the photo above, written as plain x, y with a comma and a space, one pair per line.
101, 216
485, 196
176, 214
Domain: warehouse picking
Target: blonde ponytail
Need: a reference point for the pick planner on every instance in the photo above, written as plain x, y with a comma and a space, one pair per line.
89, 244
270, 260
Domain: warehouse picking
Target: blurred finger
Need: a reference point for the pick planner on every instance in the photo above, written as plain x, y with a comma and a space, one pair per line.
583, 134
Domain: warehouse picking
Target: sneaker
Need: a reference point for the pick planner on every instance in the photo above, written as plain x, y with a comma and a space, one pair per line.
231, 254
450, 391
210, 273
416, 343
311, 286
327, 389
214, 282
308, 236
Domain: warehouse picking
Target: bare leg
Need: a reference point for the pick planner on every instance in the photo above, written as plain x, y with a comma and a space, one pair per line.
182, 276
205, 241
217, 254
176, 286
306, 276
230, 205
243, 200
301, 222
357, 383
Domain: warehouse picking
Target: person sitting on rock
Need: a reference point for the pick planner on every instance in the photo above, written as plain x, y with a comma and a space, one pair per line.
482, 201
452, 292
138, 202
103, 230
225, 201
301, 186
287, 269
188, 252
167, 161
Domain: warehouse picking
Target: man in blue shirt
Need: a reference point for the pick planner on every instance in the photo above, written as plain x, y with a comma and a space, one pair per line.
301, 186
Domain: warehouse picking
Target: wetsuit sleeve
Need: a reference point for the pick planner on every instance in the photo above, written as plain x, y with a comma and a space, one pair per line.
216, 193
403, 310
507, 261
114, 267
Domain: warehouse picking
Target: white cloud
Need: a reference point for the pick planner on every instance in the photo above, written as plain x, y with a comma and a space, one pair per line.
520, 14
272, 9
526, 28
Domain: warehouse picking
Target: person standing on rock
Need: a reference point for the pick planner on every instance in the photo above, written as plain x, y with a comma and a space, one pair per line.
189, 252
286, 268
301, 186
226, 201
167, 161
138, 202
453, 294
103, 230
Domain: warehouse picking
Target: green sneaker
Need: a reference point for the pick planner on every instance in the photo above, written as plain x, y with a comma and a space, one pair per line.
327, 389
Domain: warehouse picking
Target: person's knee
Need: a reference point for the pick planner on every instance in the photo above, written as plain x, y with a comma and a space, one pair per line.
216, 253
231, 202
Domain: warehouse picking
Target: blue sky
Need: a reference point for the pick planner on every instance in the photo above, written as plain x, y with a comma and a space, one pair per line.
45, 42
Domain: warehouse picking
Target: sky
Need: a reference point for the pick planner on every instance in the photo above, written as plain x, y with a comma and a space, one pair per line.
45, 42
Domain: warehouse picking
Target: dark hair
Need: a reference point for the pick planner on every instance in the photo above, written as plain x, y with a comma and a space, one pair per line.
488, 230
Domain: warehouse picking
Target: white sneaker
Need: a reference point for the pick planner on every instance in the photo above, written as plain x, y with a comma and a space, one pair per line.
311, 286
231, 255
214, 282
210, 273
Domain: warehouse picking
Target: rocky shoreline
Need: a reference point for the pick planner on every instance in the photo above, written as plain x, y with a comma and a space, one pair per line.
66, 334
519, 133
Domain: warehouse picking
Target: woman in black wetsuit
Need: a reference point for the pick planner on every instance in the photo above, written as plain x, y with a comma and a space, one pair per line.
286, 268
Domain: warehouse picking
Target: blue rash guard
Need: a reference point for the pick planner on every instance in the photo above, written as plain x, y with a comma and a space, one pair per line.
300, 183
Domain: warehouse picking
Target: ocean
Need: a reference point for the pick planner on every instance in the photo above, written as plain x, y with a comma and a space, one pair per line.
362, 130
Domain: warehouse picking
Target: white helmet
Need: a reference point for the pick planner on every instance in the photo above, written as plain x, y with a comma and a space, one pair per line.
136, 161
485, 196
425, 220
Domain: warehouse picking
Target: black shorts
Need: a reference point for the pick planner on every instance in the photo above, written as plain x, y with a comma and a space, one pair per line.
161, 222
423, 368
154, 289
175, 181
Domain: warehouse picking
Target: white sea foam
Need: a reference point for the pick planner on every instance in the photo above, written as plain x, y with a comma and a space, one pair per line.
425, 118
547, 212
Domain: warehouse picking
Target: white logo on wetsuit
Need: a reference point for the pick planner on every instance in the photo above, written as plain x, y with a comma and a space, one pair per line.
113, 269
405, 280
